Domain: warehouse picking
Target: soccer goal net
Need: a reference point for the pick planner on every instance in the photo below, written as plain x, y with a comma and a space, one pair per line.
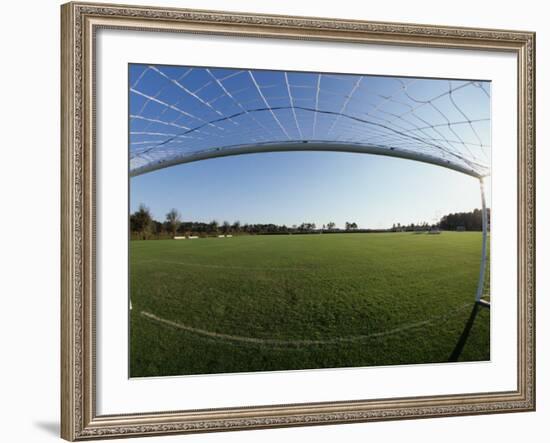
182, 114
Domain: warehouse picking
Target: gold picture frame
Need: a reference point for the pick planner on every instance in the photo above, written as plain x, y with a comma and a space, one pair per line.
79, 22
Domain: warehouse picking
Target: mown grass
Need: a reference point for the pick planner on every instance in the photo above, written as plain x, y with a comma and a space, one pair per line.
316, 301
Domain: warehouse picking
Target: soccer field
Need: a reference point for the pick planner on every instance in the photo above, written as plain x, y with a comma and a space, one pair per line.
280, 302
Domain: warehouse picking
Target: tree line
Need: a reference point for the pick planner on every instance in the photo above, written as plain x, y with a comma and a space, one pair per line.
458, 221
144, 226
467, 221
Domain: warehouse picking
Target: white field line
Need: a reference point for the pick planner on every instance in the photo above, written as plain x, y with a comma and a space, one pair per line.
288, 343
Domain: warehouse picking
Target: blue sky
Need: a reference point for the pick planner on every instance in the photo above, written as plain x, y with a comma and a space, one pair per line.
177, 111
291, 188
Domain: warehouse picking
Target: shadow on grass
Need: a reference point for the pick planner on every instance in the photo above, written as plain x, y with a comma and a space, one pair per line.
457, 351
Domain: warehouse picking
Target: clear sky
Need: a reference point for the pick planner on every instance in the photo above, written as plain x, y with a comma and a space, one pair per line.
294, 187
179, 111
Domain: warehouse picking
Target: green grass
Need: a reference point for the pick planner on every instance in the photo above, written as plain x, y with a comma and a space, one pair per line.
262, 303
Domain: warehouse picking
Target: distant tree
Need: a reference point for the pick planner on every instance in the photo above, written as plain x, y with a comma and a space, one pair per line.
348, 226
469, 221
331, 225
226, 227
173, 221
353, 225
141, 221
236, 226
214, 226
307, 226
156, 227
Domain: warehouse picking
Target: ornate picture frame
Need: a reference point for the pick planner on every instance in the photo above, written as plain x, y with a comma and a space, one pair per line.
80, 23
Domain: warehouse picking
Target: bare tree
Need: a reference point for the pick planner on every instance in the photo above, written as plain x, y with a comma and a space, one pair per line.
173, 220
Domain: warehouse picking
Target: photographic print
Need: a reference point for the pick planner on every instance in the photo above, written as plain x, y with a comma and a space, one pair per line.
285, 220
273, 221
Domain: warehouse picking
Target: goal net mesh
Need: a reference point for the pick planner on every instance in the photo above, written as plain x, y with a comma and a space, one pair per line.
179, 112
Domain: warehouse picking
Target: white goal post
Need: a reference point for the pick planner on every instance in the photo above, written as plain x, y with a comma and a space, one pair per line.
484, 227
